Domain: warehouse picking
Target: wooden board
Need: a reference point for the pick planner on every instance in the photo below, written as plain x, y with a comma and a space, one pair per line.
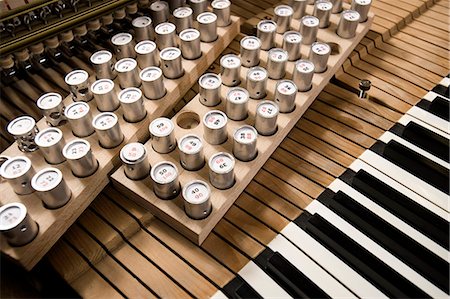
172, 211
53, 223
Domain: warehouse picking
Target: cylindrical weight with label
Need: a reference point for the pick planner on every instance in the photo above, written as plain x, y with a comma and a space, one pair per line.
198, 6
209, 89
348, 23
207, 25
244, 143
174, 4
80, 157
309, 26
124, 44
230, 70
266, 118
283, 16
108, 130
322, 10
221, 170
163, 138
257, 82
250, 49
24, 130
171, 63
166, 35
51, 143
276, 63
236, 105
128, 72
303, 74
16, 224
105, 95
197, 203
52, 107
51, 187
299, 8
135, 161
191, 152
215, 127
266, 33
190, 44
132, 104
222, 9
147, 54
319, 56
79, 118
362, 7
18, 171
337, 6
159, 12
165, 180
285, 93
152, 83
103, 63
291, 44
183, 18
143, 28
78, 82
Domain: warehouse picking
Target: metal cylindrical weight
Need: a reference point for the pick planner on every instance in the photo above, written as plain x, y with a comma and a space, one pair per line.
198, 6
51, 187
79, 118
124, 44
190, 43
244, 143
215, 127
183, 18
299, 8
250, 49
197, 203
147, 54
285, 94
51, 143
283, 16
107, 127
337, 6
236, 105
209, 89
362, 7
132, 104
152, 83
222, 9
16, 224
166, 35
276, 63
24, 130
80, 157
174, 4
309, 26
135, 161
163, 137
171, 63
207, 25
348, 23
230, 70
303, 74
104, 94
165, 180
319, 56
159, 11
257, 82
266, 118
266, 33
191, 152
128, 72
78, 82
221, 170
18, 171
52, 107
291, 44
322, 10
143, 29
103, 63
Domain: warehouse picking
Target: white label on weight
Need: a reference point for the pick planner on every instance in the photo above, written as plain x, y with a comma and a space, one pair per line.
105, 121
324, 5
10, 217
278, 55
286, 87
210, 82
230, 61
130, 95
222, 163
101, 57
310, 21
189, 34
245, 135
215, 120
102, 86
305, 66
76, 149
267, 26
267, 110
283, 10
363, 2
161, 127
293, 37
49, 137
151, 74
121, 39
47, 180
141, 21
182, 12
165, 28
237, 95
77, 77
21, 125
220, 4
351, 15
49, 101
191, 144
196, 193
250, 43
321, 48
206, 17
125, 65
77, 110
16, 167
133, 151
257, 74
164, 173
145, 47
170, 53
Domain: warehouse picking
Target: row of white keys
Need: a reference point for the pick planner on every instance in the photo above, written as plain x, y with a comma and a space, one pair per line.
429, 118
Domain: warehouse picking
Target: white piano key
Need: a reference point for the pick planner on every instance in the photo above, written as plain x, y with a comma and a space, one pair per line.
219, 295
406, 119
332, 264
430, 119
431, 95
316, 207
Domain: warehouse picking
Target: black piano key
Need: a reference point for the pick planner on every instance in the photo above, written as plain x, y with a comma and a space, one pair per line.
239, 289
294, 282
417, 216
418, 165
439, 107
357, 257
390, 238
442, 90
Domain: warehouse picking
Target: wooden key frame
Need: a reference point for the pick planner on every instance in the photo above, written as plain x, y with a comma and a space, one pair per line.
53, 223
171, 211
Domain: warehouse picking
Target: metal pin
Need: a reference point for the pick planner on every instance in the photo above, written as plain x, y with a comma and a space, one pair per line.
18, 171
299, 8
190, 43
166, 35
159, 11
283, 16
78, 82
17, 226
285, 93
135, 161
257, 82
230, 70
209, 89
51, 143
52, 107
132, 104
244, 143
291, 44
183, 18
174, 4
197, 203
309, 26
347, 24
222, 9
221, 170
152, 83
79, 118
337, 6
303, 74
143, 29
319, 56
276, 63
266, 118
364, 86
128, 72
147, 54
362, 7
107, 127
124, 45
105, 95
207, 25
24, 130
163, 137
322, 10
171, 63
198, 6
80, 157
165, 180
191, 152
236, 105
103, 63
250, 49
215, 127
51, 187
266, 33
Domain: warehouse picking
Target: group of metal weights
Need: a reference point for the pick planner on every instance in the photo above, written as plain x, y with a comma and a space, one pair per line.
133, 54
